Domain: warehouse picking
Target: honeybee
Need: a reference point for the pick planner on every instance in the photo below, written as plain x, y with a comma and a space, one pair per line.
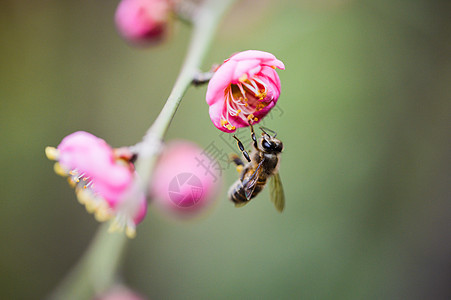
263, 165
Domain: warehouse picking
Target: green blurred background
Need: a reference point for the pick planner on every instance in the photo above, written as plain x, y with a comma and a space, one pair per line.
365, 124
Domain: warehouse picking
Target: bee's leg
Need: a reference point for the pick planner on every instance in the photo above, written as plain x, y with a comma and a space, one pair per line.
238, 162
236, 159
240, 145
254, 138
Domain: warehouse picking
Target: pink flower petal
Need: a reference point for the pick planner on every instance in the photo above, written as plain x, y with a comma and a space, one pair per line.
248, 67
221, 79
253, 54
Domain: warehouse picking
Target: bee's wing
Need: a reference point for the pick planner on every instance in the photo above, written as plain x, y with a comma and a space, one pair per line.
276, 192
250, 184
241, 204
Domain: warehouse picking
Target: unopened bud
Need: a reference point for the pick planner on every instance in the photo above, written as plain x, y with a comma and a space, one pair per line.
142, 22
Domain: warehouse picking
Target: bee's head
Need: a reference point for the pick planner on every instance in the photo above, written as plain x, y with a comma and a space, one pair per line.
270, 144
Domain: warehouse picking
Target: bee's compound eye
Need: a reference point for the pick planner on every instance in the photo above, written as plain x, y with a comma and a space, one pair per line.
266, 144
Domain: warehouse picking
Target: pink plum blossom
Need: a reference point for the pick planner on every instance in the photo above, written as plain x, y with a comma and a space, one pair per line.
185, 180
120, 292
243, 89
142, 21
102, 178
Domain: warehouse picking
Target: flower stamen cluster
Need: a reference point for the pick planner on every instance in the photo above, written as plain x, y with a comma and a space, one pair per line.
242, 99
243, 89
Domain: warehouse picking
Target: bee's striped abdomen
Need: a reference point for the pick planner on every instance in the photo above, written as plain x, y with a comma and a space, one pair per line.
237, 191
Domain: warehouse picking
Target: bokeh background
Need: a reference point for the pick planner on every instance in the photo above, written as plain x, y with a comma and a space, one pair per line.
365, 122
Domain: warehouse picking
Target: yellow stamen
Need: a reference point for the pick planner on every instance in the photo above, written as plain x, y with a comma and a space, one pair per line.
102, 213
83, 196
229, 127
255, 119
261, 105
239, 168
115, 226
91, 206
130, 232
71, 182
243, 78
52, 153
59, 169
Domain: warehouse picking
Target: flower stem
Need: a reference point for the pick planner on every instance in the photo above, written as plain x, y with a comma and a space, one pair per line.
205, 24
97, 268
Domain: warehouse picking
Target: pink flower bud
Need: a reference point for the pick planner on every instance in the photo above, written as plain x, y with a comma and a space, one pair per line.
243, 89
142, 21
103, 179
185, 180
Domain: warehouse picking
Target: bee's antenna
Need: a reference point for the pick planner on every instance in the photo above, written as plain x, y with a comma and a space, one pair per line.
272, 131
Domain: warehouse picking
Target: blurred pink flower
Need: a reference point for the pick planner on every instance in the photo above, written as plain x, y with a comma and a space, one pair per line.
102, 178
186, 179
243, 89
142, 21
119, 292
